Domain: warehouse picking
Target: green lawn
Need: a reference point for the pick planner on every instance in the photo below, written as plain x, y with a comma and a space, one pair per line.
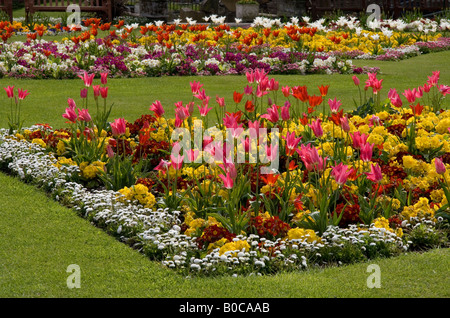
40, 239
132, 97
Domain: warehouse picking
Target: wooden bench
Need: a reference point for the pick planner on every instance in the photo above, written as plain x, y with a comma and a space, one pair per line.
6, 5
102, 7
390, 8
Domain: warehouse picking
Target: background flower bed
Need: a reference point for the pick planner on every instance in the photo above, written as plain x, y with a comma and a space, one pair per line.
132, 50
159, 231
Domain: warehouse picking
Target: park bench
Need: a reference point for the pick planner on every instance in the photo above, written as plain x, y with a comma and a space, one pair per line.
6, 5
102, 7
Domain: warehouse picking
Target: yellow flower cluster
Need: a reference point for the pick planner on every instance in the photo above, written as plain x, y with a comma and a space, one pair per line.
91, 170
63, 161
421, 210
196, 224
139, 193
238, 245
303, 234
383, 223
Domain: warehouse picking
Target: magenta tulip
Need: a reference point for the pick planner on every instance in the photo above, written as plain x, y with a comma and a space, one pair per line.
227, 180
375, 174
70, 114
157, 108
439, 165
9, 91
118, 127
104, 92
87, 79
104, 78
23, 93
84, 115
341, 173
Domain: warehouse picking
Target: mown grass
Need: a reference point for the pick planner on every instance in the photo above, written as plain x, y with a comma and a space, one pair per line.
132, 97
40, 239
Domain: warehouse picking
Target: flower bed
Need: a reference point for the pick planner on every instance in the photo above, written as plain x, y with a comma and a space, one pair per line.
285, 182
211, 49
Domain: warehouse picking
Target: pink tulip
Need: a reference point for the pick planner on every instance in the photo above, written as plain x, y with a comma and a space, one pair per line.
83, 92
345, 124
273, 85
109, 151
311, 158
439, 165
316, 127
444, 89
193, 154
260, 75
71, 103
291, 143
375, 174
204, 110
285, 111
70, 114
248, 90
419, 92
227, 180
176, 162
410, 95
157, 108
272, 114
118, 127
250, 76
9, 91
286, 90
104, 78
355, 80
178, 121
87, 79
434, 79
395, 98
23, 93
426, 88
229, 168
195, 87
392, 93
358, 139
341, 173
271, 152
182, 113
84, 115
334, 105
261, 90
96, 89
220, 101
366, 152
201, 94
162, 166
253, 127
104, 92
